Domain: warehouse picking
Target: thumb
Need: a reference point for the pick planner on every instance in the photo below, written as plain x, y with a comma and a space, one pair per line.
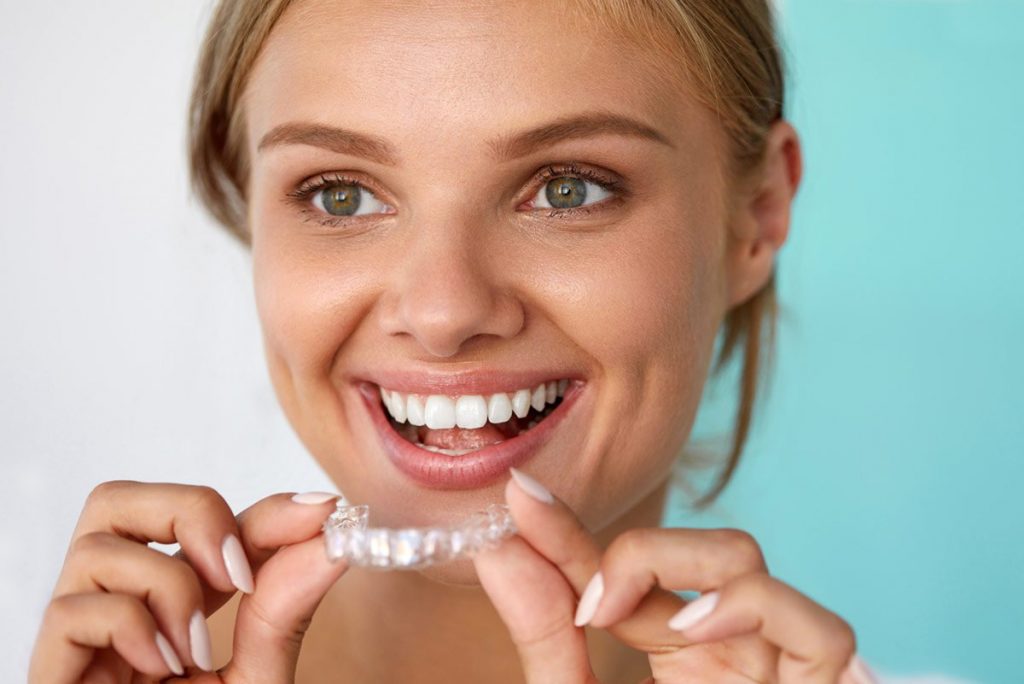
537, 605
272, 621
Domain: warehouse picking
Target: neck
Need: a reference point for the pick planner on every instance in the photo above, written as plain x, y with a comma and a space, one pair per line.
403, 627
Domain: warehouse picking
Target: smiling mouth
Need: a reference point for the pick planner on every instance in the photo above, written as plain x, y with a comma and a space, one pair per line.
458, 425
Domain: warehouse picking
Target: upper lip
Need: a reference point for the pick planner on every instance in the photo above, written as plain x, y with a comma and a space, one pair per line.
457, 383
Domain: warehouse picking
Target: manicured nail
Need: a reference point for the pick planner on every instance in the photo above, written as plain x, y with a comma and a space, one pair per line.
861, 672
199, 636
531, 486
694, 612
237, 564
314, 497
589, 599
170, 657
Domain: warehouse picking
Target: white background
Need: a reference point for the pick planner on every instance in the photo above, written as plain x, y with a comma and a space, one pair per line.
130, 347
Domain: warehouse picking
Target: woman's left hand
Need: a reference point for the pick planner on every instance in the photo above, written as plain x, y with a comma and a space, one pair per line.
746, 627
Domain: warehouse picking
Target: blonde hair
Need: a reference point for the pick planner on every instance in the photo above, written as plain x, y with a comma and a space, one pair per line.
728, 48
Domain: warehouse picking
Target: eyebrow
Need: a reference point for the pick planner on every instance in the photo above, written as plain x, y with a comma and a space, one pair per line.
503, 147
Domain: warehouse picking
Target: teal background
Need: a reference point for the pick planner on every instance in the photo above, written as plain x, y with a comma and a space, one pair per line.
884, 474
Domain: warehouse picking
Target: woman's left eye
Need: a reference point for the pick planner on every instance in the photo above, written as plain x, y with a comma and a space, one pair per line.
569, 192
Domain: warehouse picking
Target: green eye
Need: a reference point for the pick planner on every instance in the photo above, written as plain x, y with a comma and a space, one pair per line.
565, 192
341, 200
571, 192
347, 199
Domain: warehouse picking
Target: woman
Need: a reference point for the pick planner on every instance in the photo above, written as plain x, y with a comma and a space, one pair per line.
448, 207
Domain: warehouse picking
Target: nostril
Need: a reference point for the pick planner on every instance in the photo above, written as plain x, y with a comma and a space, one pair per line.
449, 307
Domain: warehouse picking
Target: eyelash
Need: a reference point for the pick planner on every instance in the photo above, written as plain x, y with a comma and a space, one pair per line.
302, 194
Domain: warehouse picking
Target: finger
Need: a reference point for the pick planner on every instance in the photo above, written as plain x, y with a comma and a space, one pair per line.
858, 672
672, 558
197, 517
75, 625
169, 587
270, 523
537, 605
555, 531
815, 643
279, 520
271, 622
108, 666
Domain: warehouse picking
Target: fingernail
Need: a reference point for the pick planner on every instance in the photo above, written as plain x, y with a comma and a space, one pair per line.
170, 657
237, 564
531, 486
199, 636
314, 497
589, 599
861, 672
694, 612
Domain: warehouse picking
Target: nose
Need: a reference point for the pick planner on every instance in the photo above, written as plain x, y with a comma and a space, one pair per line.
447, 290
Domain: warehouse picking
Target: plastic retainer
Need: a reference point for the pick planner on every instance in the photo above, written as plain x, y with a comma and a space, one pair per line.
347, 536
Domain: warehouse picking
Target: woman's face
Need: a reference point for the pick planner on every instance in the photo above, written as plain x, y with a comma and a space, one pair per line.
453, 269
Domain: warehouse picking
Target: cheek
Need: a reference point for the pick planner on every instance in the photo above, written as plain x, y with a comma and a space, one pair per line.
646, 310
307, 301
644, 303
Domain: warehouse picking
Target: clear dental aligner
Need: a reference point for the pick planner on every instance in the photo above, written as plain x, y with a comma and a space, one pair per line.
347, 536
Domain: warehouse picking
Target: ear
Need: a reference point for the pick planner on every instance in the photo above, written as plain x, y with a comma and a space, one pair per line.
761, 215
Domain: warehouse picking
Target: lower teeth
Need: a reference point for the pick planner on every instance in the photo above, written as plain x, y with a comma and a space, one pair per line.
450, 452
442, 450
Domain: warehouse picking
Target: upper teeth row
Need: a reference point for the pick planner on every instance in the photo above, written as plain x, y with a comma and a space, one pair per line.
469, 411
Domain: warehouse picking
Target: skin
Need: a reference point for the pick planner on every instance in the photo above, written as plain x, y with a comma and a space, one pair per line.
460, 271
461, 277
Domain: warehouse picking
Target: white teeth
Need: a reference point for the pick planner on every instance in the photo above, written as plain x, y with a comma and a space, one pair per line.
499, 408
521, 403
442, 450
439, 412
539, 397
471, 412
414, 410
397, 405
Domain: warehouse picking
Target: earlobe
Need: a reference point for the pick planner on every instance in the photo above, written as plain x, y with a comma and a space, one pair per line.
753, 264
761, 224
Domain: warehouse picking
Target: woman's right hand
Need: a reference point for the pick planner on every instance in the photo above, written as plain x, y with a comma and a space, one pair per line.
121, 608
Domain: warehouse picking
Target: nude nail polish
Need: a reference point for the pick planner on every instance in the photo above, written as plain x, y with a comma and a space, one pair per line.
589, 600
314, 498
170, 657
860, 671
237, 564
694, 612
531, 486
199, 639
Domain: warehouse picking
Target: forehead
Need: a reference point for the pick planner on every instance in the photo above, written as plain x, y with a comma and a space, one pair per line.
431, 72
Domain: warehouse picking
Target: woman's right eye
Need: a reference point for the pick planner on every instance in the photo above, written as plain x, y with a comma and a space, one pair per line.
347, 199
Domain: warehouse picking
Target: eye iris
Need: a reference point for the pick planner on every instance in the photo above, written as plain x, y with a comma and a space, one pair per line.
341, 200
564, 192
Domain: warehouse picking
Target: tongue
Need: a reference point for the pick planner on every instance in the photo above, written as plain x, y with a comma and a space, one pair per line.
459, 438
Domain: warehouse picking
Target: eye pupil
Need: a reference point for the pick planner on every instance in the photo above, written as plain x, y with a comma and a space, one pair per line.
564, 192
341, 200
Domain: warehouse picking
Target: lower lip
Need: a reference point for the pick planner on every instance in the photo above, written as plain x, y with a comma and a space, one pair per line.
469, 471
